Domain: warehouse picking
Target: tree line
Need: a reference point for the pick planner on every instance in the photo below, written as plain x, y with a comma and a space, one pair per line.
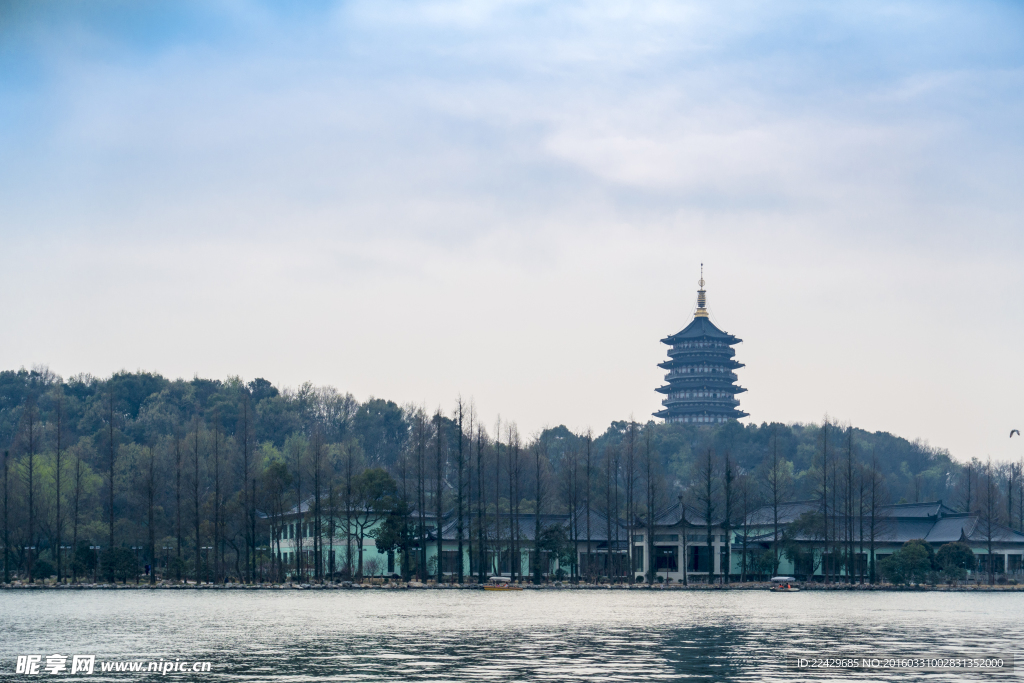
104, 476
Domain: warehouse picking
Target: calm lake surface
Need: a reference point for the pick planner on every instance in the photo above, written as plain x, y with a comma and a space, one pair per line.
431, 635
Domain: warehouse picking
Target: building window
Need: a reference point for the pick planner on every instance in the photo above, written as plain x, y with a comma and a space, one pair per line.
666, 538
666, 558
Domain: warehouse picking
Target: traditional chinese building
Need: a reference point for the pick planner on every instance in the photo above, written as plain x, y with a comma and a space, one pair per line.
701, 383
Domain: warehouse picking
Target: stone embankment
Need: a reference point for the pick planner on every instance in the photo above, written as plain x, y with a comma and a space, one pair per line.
431, 585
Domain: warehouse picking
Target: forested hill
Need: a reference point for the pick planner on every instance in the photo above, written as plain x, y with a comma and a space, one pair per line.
149, 410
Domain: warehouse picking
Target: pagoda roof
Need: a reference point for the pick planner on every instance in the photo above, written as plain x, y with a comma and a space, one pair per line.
701, 327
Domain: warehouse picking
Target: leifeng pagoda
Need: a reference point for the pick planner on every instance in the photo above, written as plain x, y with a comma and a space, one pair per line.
701, 385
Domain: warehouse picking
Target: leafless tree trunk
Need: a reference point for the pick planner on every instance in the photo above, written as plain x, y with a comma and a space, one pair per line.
849, 505
218, 549
629, 479
7, 526
439, 495
776, 483
966, 498
196, 494
481, 506
30, 417
570, 493
319, 452
349, 501
743, 485
76, 495
460, 485
728, 474
588, 444
652, 499
497, 498
150, 495
297, 449
110, 444
826, 556
988, 514
421, 464
875, 494
538, 569
708, 501
57, 472
609, 470
248, 502
177, 494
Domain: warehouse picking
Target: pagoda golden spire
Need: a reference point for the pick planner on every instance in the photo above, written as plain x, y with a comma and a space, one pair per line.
702, 303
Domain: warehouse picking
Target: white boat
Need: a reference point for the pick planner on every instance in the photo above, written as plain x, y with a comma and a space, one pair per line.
784, 584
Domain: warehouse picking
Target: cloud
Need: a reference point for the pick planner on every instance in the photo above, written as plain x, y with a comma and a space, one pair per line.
511, 199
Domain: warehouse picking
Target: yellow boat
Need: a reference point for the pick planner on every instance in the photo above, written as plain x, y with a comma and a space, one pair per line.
501, 583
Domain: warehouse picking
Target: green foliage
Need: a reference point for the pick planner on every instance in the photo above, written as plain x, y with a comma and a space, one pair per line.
84, 561
910, 564
177, 568
394, 533
43, 569
119, 564
955, 560
555, 540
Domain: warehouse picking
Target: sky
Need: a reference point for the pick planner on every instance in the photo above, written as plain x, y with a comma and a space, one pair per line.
511, 202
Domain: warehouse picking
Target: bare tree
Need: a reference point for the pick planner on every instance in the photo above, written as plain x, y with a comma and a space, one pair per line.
111, 449
58, 470
570, 496
876, 494
776, 486
514, 488
318, 457
150, 496
588, 442
76, 498
30, 429
218, 545
244, 434
439, 493
728, 475
421, 463
177, 495
989, 514
746, 493
823, 491
706, 494
298, 449
629, 482
460, 485
481, 506
196, 497
652, 480
7, 525
848, 494
609, 513
968, 475
537, 569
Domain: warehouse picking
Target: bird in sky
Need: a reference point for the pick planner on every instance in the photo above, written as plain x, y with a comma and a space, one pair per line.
1014, 431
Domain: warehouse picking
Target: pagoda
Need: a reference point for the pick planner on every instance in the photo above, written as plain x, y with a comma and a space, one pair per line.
701, 383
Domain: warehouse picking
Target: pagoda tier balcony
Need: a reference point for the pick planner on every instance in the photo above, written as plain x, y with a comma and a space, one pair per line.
704, 400
725, 351
723, 387
697, 362
678, 373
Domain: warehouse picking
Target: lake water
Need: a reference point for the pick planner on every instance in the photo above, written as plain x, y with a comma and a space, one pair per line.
431, 635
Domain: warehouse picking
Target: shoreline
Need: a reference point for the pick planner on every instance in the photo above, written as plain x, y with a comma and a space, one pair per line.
413, 585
